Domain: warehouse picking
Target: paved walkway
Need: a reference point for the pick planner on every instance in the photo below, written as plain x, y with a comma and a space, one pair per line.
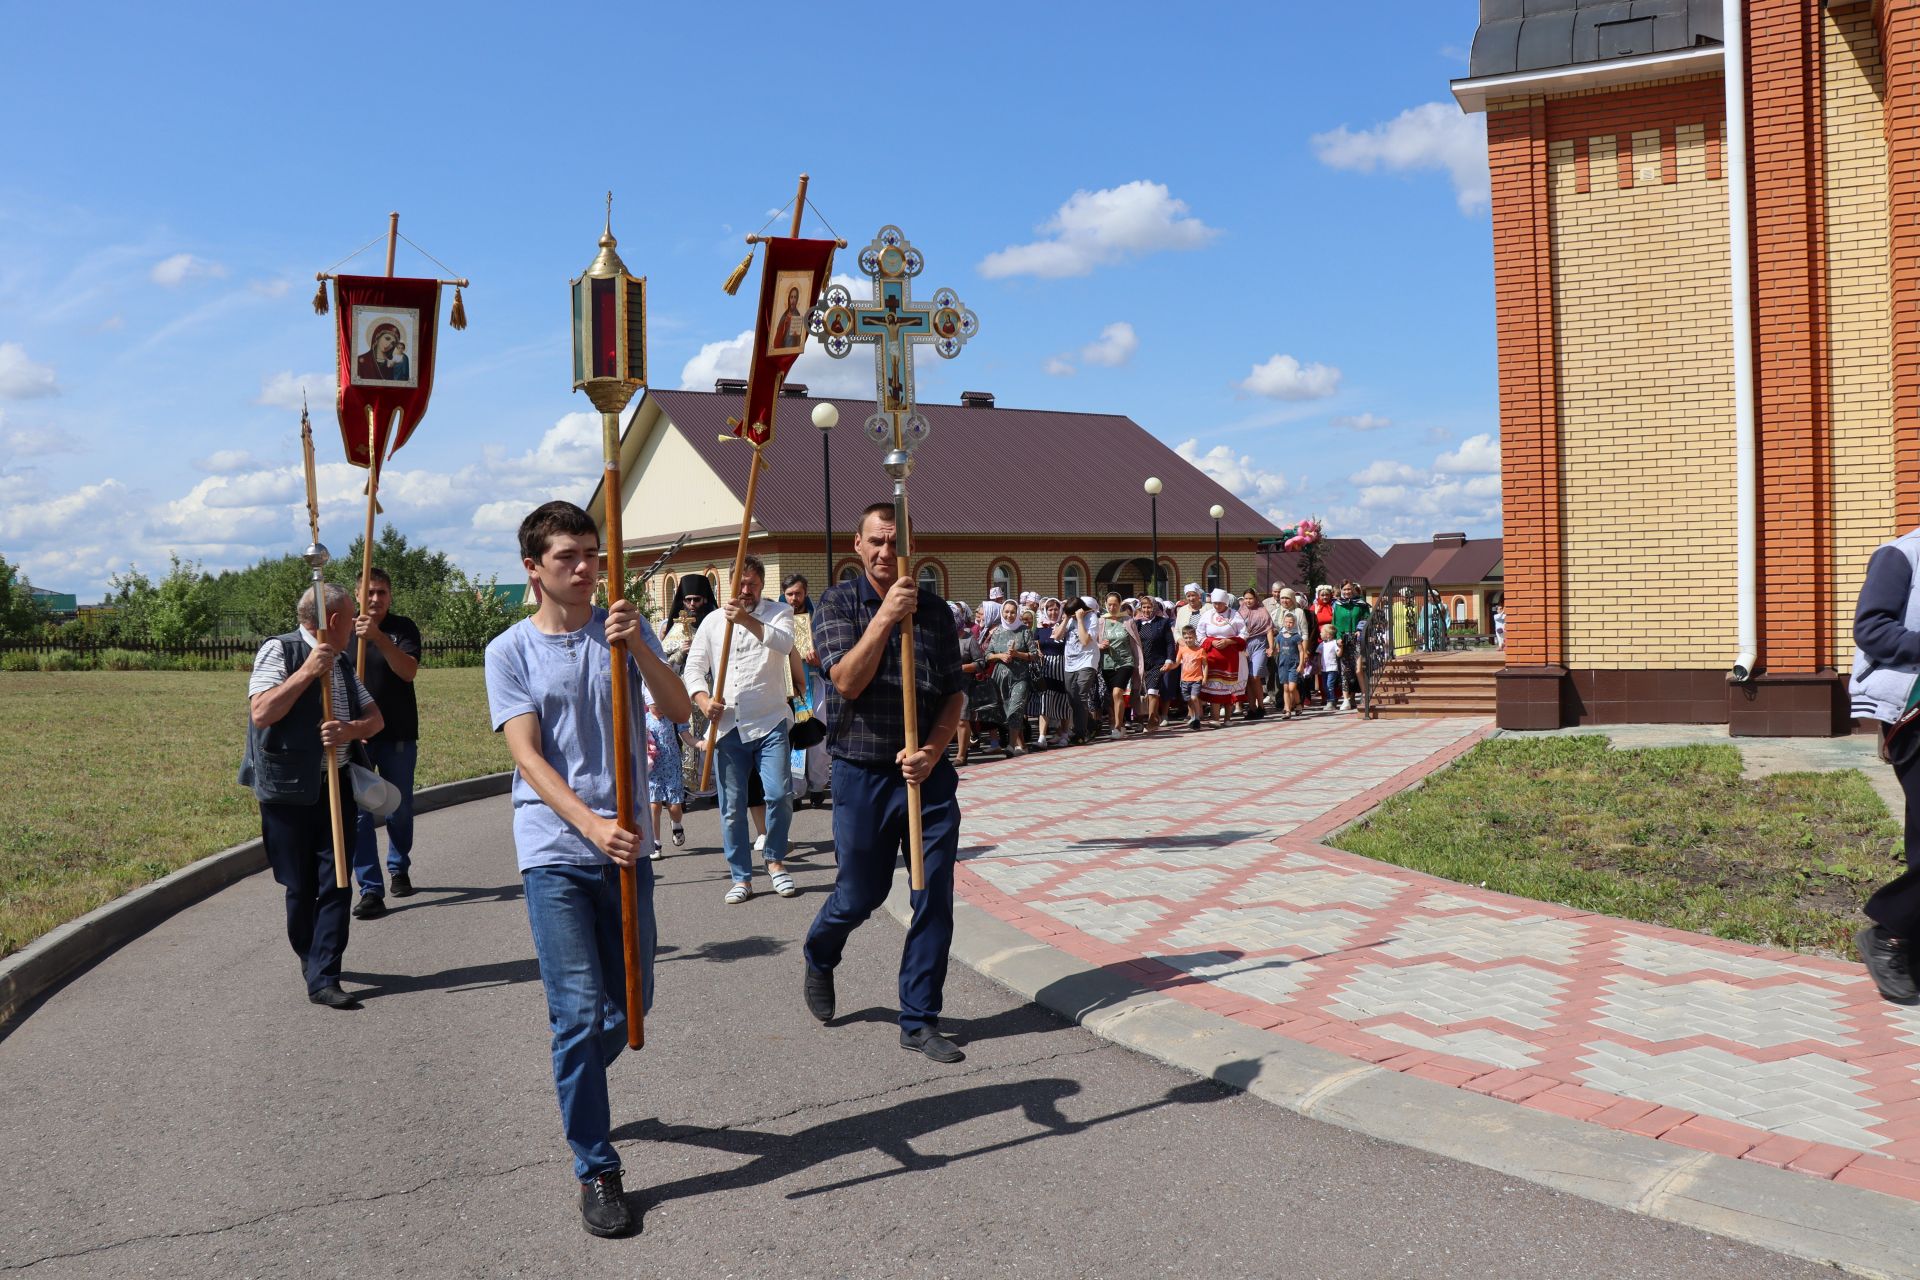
180, 1110
1192, 867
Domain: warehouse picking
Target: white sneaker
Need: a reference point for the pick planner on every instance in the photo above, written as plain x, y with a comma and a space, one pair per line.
1346, 704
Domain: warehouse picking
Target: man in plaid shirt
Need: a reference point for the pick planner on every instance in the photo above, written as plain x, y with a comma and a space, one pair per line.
856, 635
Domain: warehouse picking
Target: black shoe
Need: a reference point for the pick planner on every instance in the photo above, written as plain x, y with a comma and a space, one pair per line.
819, 990
402, 885
370, 907
603, 1205
930, 1042
1886, 960
818, 799
333, 997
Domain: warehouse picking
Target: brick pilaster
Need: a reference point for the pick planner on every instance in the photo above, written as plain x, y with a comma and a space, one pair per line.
1529, 431
1899, 22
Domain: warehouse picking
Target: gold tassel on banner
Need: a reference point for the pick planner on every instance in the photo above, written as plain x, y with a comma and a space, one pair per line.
458, 318
320, 299
732, 286
368, 489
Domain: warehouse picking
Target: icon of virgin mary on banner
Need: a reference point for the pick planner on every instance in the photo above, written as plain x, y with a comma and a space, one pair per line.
790, 282
386, 330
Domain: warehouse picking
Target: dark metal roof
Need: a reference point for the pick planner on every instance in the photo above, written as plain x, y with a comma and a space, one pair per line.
1344, 560
1540, 35
1015, 472
1444, 562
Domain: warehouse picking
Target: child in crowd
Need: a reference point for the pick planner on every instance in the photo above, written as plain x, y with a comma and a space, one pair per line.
1193, 673
1329, 665
1288, 646
666, 788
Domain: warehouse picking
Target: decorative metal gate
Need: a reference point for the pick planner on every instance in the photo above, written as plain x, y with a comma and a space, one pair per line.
1402, 622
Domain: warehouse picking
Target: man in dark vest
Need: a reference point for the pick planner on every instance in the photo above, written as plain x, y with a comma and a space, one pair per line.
393, 659
286, 765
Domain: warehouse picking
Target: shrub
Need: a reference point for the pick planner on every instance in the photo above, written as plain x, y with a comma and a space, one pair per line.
61, 660
19, 662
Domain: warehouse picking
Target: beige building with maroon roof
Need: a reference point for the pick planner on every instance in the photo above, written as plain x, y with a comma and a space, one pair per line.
1024, 499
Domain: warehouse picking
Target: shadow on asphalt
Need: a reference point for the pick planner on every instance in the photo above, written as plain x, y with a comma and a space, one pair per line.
454, 895
727, 950
470, 977
890, 1131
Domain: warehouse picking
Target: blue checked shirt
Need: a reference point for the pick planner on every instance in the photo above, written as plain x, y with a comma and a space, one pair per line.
872, 728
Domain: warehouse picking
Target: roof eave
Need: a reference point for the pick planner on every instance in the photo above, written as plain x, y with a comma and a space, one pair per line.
1474, 94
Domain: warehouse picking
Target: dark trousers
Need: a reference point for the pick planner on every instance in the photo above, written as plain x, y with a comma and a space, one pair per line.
870, 838
299, 843
1083, 697
1897, 905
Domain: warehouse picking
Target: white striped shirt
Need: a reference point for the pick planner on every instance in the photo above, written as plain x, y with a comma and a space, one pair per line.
270, 671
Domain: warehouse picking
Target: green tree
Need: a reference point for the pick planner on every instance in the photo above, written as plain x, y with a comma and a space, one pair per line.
20, 610
129, 599
422, 577
1313, 566
181, 611
473, 612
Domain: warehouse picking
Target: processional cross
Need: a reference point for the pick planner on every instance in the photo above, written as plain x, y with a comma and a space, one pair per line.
895, 325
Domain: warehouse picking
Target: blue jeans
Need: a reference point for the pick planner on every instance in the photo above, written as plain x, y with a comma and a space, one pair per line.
870, 840
575, 914
770, 757
393, 761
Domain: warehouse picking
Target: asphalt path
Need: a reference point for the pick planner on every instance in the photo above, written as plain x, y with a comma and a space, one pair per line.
182, 1110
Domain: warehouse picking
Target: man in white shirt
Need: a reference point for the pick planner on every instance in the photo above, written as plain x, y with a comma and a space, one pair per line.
1081, 662
753, 716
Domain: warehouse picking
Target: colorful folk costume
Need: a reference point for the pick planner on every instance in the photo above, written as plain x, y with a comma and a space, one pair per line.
1223, 639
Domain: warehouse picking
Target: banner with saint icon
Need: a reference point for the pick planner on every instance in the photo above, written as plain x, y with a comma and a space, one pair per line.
790, 281
386, 331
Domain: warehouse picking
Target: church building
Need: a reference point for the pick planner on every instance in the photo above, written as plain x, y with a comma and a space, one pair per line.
1021, 499
1693, 486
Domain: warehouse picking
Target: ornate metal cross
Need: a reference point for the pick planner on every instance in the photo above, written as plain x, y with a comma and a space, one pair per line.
894, 324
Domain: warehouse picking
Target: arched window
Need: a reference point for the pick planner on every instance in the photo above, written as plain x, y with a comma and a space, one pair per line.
930, 578
1073, 579
849, 570
1216, 574
1006, 577
667, 584
1459, 608
1169, 576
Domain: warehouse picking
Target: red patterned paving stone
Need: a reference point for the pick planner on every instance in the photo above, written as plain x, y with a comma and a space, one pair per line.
1221, 898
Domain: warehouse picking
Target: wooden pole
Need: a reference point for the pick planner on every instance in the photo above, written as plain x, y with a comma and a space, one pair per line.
366, 542
393, 237
610, 490
799, 206
909, 690
326, 684
726, 634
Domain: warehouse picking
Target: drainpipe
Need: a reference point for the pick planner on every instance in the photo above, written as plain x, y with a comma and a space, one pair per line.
1740, 249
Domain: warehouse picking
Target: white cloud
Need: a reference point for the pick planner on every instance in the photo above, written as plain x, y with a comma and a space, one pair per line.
1385, 471
1097, 228
36, 442
1237, 473
270, 288
1284, 378
223, 462
1362, 422
822, 375
1477, 455
284, 390
249, 509
182, 267
1432, 136
1393, 501
1439, 435
21, 378
1113, 348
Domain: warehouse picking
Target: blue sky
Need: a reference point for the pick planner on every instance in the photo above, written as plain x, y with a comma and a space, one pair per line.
1260, 231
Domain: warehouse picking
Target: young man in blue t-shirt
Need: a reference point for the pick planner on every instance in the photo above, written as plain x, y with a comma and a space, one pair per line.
550, 690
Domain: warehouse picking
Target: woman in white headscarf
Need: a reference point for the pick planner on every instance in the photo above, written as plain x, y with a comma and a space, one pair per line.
1223, 639
1011, 651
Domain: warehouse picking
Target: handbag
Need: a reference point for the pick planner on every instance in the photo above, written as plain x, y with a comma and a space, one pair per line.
1909, 716
372, 793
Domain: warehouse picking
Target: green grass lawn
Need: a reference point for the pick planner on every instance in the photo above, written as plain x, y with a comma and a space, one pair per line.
1672, 836
116, 778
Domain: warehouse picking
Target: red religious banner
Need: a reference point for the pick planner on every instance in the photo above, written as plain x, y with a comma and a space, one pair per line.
790, 281
386, 339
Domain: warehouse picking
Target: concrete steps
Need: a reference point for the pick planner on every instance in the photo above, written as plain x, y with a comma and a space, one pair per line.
1437, 684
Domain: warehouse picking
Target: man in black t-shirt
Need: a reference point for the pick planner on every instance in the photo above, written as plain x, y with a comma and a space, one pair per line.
393, 659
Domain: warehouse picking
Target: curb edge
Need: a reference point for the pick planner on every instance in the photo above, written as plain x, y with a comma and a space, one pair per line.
79, 944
